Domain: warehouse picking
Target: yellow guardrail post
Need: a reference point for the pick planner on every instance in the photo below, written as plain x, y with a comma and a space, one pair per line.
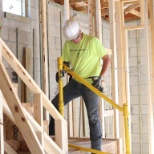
127, 128
60, 85
123, 109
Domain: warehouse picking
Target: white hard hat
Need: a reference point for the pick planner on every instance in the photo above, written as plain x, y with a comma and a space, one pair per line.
71, 29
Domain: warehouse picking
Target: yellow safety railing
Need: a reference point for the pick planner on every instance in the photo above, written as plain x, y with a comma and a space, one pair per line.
123, 109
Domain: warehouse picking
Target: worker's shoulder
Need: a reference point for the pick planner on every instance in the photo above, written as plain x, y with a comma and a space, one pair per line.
91, 38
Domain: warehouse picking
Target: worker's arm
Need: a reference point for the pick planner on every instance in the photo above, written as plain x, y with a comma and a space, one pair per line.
106, 63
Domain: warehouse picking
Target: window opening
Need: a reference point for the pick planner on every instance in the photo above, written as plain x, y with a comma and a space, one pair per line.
14, 6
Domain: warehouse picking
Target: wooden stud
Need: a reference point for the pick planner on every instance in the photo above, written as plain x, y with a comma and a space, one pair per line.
121, 54
9, 149
70, 120
49, 144
74, 119
15, 107
90, 16
66, 10
1, 126
38, 114
44, 46
148, 75
114, 65
29, 68
23, 74
98, 20
60, 131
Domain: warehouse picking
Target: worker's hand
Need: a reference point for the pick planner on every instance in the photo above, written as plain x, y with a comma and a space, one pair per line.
97, 83
57, 75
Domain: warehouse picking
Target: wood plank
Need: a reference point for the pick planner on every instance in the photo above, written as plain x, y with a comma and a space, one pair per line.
9, 149
1, 126
74, 119
15, 107
131, 7
38, 115
29, 68
60, 131
70, 120
44, 48
23, 74
66, 10
49, 144
98, 20
121, 63
148, 77
114, 71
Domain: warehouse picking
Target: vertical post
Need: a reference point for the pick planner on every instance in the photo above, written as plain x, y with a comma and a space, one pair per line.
90, 16
114, 65
38, 114
1, 127
1, 114
60, 73
148, 74
66, 10
98, 20
127, 128
44, 48
44, 42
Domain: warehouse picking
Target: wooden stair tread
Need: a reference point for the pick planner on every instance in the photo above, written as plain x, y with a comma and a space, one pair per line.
108, 145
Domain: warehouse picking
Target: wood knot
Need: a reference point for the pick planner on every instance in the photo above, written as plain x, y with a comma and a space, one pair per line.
23, 119
16, 108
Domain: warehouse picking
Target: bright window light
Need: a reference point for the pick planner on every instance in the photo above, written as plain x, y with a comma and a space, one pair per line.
14, 6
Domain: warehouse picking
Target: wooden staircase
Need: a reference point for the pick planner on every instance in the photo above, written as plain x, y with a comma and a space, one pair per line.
33, 133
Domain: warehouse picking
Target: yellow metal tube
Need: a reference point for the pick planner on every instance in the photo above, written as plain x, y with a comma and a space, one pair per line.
60, 85
87, 149
127, 128
99, 93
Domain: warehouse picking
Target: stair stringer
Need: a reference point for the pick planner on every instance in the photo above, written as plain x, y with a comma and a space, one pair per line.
49, 145
61, 138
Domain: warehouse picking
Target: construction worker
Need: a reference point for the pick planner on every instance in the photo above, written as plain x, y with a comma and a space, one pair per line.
82, 53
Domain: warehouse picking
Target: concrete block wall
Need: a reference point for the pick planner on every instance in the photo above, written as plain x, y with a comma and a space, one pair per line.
138, 95
138, 92
21, 30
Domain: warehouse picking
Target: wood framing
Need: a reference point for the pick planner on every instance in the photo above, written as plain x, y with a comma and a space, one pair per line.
38, 115
1, 126
7, 86
114, 65
44, 46
148, 75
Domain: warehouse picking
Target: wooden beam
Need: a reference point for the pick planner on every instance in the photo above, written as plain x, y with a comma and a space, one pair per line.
66, 10
131, 7
1, 126
91, 17
38, 115
9, 149
44, 46
23, 74
113, 34
15, 107
76, 1
49, 144
148, 74
134, 12
98, 20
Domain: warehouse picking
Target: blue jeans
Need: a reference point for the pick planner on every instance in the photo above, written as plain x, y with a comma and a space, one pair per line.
73, 90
